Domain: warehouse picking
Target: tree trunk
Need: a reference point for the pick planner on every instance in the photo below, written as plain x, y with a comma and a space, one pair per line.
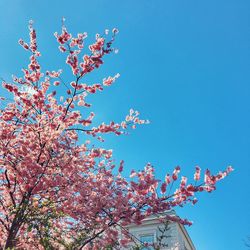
16, 224
11, 240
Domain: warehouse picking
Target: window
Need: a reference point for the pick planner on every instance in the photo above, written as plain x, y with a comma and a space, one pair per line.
147, 238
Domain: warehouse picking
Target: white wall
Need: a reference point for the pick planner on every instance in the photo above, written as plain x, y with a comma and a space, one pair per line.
178, 240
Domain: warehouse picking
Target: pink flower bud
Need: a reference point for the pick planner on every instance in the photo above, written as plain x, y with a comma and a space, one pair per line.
197, 173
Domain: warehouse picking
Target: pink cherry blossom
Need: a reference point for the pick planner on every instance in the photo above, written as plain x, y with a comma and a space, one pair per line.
58, 186
197, 173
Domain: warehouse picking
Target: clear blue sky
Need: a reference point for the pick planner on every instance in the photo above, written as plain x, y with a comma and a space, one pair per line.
185, 66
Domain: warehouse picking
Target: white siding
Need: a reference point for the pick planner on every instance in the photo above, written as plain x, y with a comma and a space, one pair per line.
178, 237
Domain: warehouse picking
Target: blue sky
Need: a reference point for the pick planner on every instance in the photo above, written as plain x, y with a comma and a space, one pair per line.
185, 66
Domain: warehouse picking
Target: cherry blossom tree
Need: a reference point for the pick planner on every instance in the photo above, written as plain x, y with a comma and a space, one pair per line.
57, 189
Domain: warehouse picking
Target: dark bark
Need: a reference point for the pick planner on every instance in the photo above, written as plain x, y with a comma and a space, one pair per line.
17, 222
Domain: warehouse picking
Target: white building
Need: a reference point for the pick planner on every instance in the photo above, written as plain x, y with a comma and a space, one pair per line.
152, 230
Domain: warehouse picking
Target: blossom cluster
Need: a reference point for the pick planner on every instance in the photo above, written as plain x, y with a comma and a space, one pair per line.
57, 189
